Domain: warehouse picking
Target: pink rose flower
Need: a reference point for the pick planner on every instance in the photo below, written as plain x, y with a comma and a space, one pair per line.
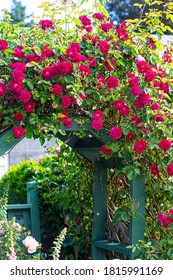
31, 244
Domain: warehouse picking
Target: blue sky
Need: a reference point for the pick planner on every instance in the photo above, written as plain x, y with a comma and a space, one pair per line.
31, 5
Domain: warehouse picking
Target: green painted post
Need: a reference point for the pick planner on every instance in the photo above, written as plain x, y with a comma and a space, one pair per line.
6, 146
137, 223
32, 198
99, 209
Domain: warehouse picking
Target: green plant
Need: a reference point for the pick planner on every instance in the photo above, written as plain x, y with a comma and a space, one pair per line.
58, 244
16, 179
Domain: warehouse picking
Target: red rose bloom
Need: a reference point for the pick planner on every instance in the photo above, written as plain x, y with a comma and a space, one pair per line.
106, 26
150, 75
105, 150
170, 169
92, 61
46, 24
135, 90
18, 132
142, 66
154, 169
104, 47
68, 123
65, 102
158, 118
3, 45
85, 20
64, 117
18, 65
119, 103
155, 106
140, 146
97, 125
138, 104
122, 34
124, 110
98, 115
18, 75
18, 117
84, 71
25, 96
60, 68
165, 145
133, 80
75, 46
29, 106
18, 52
115, 133
101, 81
31, 57
112, 82
144, 98
47, 73
56, 89
3, 89
130, 136
16, 85
98, 16
110, 64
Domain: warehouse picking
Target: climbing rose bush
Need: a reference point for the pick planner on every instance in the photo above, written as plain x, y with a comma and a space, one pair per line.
118, 78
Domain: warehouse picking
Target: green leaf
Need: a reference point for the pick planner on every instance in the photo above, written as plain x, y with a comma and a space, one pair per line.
30, 85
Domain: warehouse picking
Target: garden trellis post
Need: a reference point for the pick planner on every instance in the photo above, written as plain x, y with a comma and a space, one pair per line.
89, 147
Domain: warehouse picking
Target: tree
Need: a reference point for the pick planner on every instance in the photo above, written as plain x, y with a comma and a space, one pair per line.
18, 13
125, 9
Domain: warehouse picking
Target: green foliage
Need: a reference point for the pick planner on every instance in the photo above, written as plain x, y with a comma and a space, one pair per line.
65, 198
15, 179
65, 191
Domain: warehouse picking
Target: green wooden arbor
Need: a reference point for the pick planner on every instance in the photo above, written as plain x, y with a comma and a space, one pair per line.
89, 148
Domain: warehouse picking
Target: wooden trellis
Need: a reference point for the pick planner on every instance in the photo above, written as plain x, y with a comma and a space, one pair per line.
89, 147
